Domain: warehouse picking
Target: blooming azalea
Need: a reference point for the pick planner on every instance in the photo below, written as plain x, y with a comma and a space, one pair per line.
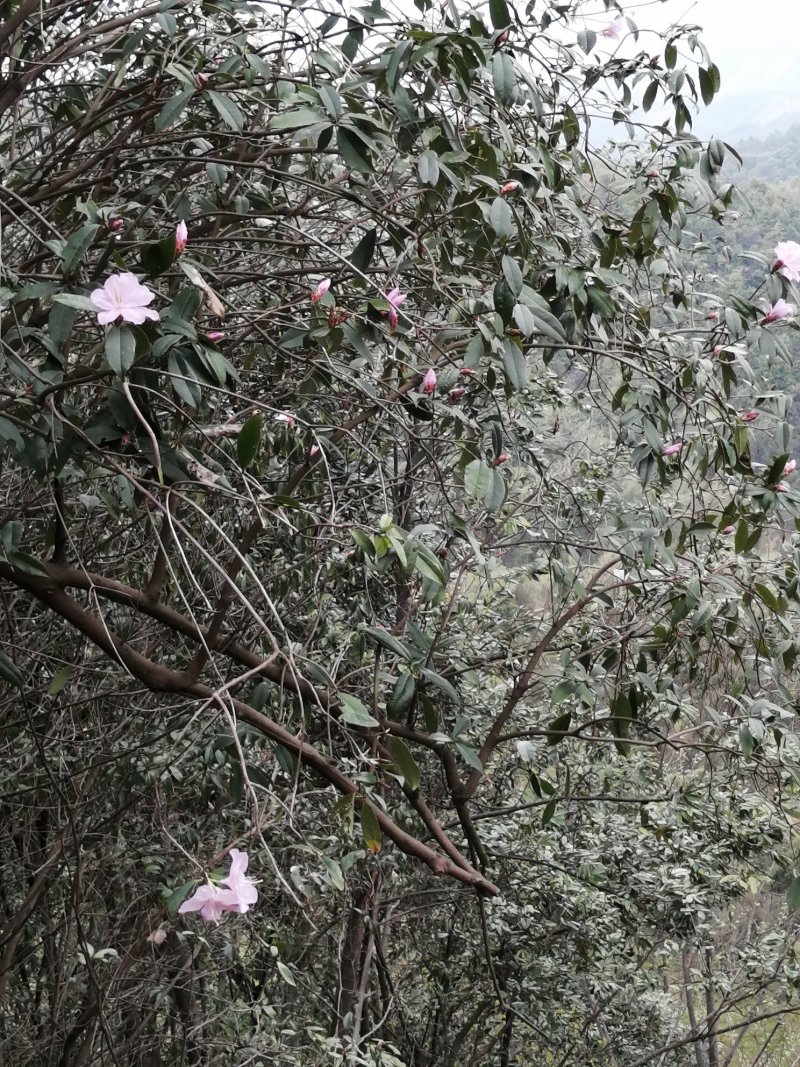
181, 237
429, 381
509, 187
787, 260
673, 449
613, 30
790, 466
779, 310
213, 901
321, 290
395, 299
749, 416
122, 296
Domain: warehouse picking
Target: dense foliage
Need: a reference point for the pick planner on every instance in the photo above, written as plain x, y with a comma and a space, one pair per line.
389, 492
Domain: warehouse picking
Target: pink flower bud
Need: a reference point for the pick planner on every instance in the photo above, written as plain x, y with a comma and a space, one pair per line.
115, 225
201, 80
749, 416
429, 381
782, 487
456, 394
509, 187
673, 449
712, 316
652, 174
790, 466
158, 937
286, 419
215, 335
181, 237
504, 457
321, 290
729, 529
466, 372
313, 452
717, 352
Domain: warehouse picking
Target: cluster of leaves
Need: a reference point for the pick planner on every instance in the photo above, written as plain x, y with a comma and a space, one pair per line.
261, 588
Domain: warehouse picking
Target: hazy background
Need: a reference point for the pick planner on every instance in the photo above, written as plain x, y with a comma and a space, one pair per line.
757, 49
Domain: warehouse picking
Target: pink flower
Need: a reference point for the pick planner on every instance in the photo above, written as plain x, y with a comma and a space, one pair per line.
181, 237
215, 335
123, 297
313, 452
115, 225
456, 394
429, 381
790, 467
158, 937
466, 372
504, 457
288, 420
509, 187
787, 260
613, 30
395, 299
201, 80
712, 316
749, 416
242, 890
321, 290
779, 310
782, 487
212, 901
729, 529
673, 449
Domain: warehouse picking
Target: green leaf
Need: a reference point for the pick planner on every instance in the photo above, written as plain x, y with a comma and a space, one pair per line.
331, 101
402, 694
158, 257
503, 301
285, 973
549, 811
503, 77
354, 712
496, 493
227, 109
9, 672
177, 897
501, 218
558, 727
793, 894
649, 97
362, 254
428, 168
387, 640
60, 679
172, 110
587, 39
298, 119
370, 828
514, 364
120, 349
469, 755
512, 275
334, 873
406, 763
77, 247
746, 741
498, 12
477, 478
248, 441
74, 300
442, 685
352, 150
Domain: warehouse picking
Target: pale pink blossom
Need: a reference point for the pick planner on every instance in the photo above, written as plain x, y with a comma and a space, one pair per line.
749, 416
504, 457
201, 80
790, 467
779, 310
213, 901
158, 937
673, 449
712, 316
787, 260
313, 452
456, 394
321, 290
284, 417
215, 335
466, 372
782, 487
181, 237
122, 296
509, 187
429, 381
395, 299
242, 890
729, 529
613, 30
